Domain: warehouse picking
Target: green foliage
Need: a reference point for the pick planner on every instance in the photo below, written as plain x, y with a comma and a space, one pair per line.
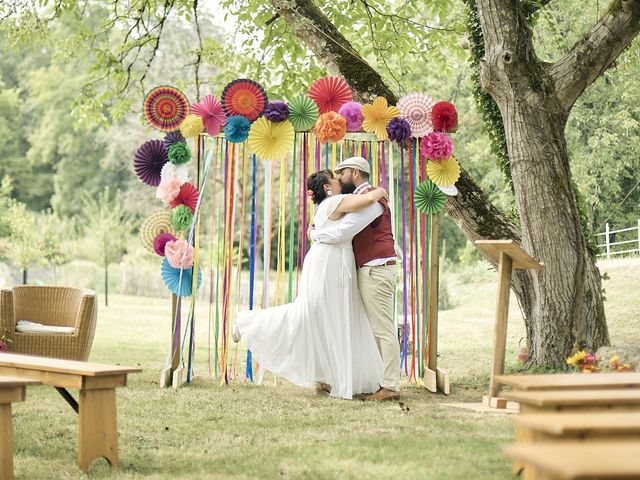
23, 245
106, 226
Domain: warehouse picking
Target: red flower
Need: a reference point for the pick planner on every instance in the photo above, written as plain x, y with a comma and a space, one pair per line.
444, 117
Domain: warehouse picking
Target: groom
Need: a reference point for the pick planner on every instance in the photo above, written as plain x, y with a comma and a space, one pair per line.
375, 255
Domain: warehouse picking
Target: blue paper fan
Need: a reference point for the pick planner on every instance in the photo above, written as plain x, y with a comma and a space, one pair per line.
171, 278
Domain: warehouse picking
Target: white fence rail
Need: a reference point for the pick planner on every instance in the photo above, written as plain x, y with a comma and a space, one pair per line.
625, 241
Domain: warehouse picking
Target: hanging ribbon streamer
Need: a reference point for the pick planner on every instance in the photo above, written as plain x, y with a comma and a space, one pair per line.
404, 262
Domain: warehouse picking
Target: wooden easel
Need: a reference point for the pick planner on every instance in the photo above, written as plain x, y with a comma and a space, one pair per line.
435, 379
173, 375
507, 255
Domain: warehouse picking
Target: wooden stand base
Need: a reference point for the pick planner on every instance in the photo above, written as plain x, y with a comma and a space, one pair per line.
437, 381
173, 378
494, 402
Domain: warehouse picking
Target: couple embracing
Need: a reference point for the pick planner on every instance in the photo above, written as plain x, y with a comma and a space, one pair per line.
339, 334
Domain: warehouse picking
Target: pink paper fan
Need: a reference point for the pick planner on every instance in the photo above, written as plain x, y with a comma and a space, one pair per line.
415, 108
188, 196
210, 110
330, 93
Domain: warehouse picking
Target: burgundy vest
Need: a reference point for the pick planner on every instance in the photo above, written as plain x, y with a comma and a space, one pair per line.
376, 240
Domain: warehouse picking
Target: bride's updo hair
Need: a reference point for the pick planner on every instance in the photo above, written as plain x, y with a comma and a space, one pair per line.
315, 184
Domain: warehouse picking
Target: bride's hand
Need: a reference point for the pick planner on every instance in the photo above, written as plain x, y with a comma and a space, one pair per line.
381, 192
310, 229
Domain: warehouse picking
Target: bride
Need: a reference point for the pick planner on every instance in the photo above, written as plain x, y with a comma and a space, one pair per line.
324, 336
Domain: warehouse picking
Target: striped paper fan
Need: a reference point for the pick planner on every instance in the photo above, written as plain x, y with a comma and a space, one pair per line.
415, 108
244, 97
165, 108
155, 224
330, 93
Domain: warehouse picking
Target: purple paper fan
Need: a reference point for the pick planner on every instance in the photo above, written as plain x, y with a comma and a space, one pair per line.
149, 160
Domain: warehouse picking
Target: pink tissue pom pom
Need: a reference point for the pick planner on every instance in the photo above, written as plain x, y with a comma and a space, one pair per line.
179, 254
436, 146
161, 241
168, 189
352, 112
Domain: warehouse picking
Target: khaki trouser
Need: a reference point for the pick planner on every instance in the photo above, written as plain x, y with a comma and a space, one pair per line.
377, 287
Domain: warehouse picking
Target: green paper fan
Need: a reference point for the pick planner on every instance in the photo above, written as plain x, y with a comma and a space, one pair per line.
303, 113
428, 198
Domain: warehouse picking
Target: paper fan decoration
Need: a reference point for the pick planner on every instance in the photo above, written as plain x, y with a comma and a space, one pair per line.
179, 286
449, 190
444, 173
210, 110
428, 198
303, 113
154, 225
149, 160
330, 93
188, 196
377, 116
269, 140
244, 97
415, 108
165, 108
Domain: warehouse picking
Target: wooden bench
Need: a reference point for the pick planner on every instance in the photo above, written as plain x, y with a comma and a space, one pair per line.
96, 408
561, 400
600, 426
581, 460
571, 381
11, 390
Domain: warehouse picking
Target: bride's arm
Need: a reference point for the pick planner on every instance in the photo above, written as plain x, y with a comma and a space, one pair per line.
348, 226
354, 203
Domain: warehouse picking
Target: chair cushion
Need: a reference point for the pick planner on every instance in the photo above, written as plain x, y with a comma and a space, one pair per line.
26, 326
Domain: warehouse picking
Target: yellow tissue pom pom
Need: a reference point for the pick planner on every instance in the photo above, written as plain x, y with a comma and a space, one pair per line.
191, 126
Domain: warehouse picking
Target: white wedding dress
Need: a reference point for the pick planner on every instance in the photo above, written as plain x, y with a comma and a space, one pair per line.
324, 335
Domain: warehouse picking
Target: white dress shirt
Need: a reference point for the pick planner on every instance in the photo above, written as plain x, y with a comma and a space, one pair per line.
352, 224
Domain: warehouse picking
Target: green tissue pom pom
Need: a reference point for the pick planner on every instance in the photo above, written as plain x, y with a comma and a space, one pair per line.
179, 153
181, 217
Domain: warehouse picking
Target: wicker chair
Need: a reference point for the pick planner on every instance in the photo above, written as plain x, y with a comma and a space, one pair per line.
59, 306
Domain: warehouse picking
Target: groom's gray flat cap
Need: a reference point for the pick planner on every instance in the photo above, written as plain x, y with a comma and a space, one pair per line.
358, 163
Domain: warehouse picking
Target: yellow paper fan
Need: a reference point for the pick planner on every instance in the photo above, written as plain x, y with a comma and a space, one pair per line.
270, 140
377, 116
445, 172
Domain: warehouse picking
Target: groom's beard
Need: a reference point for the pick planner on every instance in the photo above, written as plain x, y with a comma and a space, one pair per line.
348, 187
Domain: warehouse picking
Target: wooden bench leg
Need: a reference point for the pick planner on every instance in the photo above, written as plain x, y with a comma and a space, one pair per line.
6, 442
97, 428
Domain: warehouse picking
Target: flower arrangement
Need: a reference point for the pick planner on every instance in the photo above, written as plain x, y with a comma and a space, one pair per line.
586, 362
5, 340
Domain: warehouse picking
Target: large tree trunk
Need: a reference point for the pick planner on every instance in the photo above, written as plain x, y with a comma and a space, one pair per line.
562, 304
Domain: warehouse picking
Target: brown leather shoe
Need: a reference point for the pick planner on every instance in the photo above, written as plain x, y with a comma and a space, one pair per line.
383, 394
323, 388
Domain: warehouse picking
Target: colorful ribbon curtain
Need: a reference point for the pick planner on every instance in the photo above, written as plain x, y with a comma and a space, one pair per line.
258, 216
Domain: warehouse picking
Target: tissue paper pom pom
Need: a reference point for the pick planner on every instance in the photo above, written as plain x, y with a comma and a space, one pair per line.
436, 146
180, 172
168, 189
399, 130
160, 241
181, 217
188, 196
171, 138
444, 117
179, 153
276, 111
352, 112
330, 127
192, 126
179, 254
237, 129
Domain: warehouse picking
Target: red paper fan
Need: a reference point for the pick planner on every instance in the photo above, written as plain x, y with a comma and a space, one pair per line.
330, 93
188, 196
244, 97
165, 108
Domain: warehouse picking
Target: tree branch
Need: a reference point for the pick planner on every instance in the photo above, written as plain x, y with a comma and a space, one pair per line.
596, 51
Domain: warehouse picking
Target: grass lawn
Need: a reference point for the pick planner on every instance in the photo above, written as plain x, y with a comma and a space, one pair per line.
276, 430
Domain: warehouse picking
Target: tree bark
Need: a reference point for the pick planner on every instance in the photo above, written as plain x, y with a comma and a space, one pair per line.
562, 305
